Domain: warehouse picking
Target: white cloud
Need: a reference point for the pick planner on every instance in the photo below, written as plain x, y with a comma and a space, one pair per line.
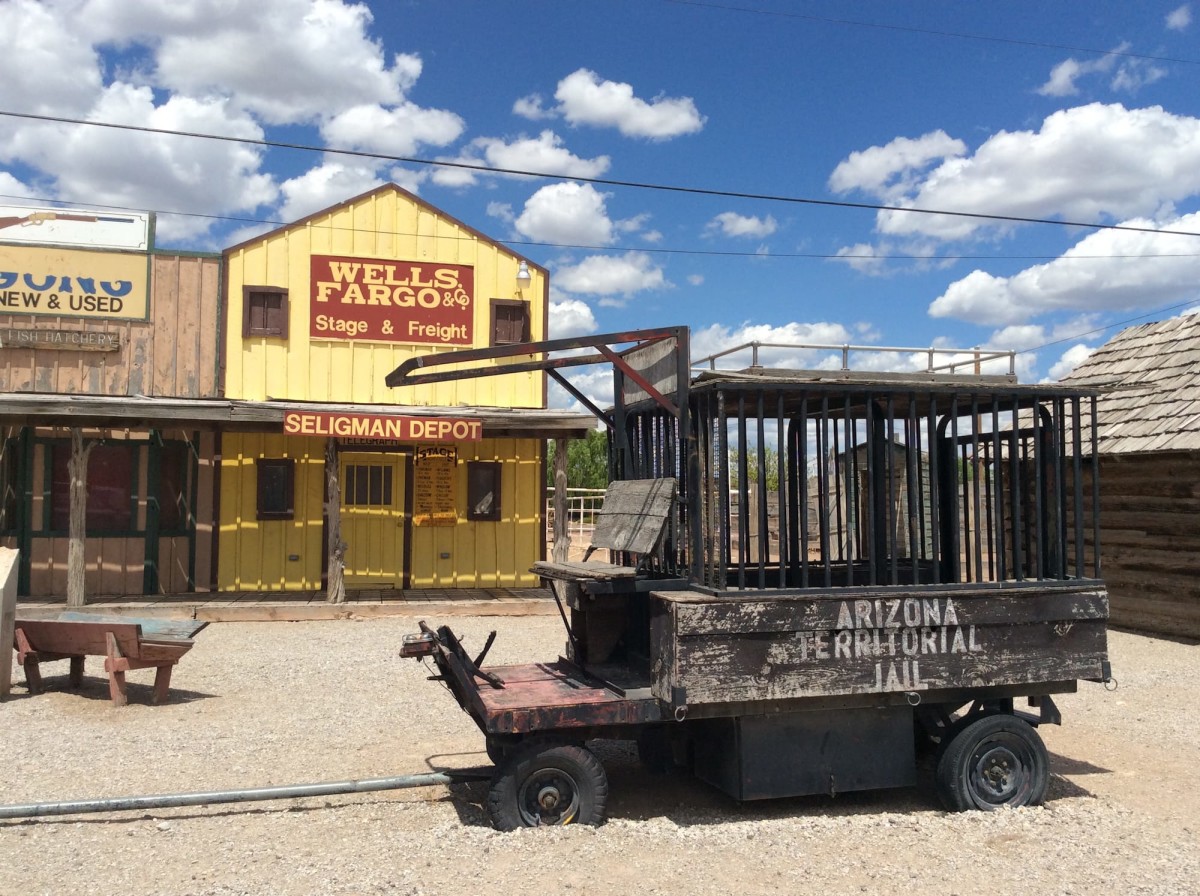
10, 186
224, 67
48, 68
532, 107
1108, 270
610, 276
1135, 74
887, 171
1071, 358
718, 338
865, 258
571, 317
695, 279
1064, 75
566, 213
735, 225
285, 61
543, 154
399, 130
1137, 160
594, 382
585, 99
323, 186
114, 167
1179, 19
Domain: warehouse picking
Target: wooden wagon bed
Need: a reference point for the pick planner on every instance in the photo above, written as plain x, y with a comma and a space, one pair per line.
125, 643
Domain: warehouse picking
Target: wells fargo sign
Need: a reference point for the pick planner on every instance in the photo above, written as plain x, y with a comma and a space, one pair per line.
371, 426
392, 301
73, 283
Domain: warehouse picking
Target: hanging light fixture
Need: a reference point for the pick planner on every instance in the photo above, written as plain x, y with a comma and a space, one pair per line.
524, 278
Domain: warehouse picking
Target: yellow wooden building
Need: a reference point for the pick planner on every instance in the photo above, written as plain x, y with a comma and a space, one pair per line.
439, 486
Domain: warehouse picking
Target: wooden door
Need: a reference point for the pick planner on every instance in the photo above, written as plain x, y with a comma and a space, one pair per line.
373, 519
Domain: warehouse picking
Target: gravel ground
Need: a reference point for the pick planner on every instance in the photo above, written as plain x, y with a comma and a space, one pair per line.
286, 703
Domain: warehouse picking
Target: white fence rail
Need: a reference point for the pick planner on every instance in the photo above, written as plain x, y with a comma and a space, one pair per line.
582, 505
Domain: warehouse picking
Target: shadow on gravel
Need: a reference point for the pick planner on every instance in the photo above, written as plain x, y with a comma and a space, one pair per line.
635, 794
1065, 765
96, 688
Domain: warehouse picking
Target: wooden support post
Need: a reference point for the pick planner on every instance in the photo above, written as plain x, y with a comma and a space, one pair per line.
115, 665
77, 470
8, 616
562, 529
336, 548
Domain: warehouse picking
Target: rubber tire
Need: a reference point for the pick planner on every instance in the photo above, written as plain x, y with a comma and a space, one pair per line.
993, 761
541, 765
500, 747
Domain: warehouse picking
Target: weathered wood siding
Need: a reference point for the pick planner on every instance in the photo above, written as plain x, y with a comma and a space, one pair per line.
487, 554
385, 225
173, 354
739, 649
287, 554
1150, 540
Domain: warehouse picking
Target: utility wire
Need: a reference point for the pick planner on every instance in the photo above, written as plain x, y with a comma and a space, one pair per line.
933, 32
655, 250
601, 181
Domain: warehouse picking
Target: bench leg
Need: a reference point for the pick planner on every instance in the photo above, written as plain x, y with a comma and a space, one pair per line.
76, 675
33, 675
162, 682
116, 672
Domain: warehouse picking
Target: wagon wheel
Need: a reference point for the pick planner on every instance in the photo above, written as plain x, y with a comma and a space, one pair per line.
993, 761
500, 746
546, 782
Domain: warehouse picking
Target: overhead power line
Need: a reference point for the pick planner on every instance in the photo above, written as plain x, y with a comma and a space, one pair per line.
958, 35
601, 181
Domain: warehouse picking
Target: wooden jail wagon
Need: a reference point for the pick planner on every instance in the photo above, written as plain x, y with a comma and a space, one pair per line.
811, 577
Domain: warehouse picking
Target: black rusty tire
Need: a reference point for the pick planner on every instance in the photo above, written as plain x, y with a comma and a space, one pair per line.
993, 761
547, 783
499, 747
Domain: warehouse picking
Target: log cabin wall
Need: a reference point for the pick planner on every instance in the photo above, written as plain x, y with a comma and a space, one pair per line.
1150, 541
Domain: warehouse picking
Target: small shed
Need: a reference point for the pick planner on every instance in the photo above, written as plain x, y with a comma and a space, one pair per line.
1148, 428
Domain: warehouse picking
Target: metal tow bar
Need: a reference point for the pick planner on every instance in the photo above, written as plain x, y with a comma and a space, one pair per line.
295, 791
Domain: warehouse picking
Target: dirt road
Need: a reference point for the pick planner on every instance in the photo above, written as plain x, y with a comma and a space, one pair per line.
284, 703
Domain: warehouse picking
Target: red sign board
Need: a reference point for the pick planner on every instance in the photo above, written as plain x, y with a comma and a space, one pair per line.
373, 426
392, 301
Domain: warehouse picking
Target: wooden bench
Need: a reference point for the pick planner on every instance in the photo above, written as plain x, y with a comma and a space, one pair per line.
125, 643
632, 520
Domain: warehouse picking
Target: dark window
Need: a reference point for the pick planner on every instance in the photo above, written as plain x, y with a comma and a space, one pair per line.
367, 485
173, 511
276, 488
265, 311
510, 321
110, 483
483, 490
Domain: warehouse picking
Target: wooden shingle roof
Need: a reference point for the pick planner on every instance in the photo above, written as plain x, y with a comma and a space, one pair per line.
1150, 377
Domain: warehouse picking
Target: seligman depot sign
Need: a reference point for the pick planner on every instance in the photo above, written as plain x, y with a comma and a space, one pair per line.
392, 301
373, 426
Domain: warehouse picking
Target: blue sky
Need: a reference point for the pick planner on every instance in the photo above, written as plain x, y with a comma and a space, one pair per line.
1081, 112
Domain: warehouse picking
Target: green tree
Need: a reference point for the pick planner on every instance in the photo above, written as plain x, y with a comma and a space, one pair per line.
772, 464
587, 461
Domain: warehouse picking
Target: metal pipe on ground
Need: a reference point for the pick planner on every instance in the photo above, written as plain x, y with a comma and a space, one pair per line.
294, 791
